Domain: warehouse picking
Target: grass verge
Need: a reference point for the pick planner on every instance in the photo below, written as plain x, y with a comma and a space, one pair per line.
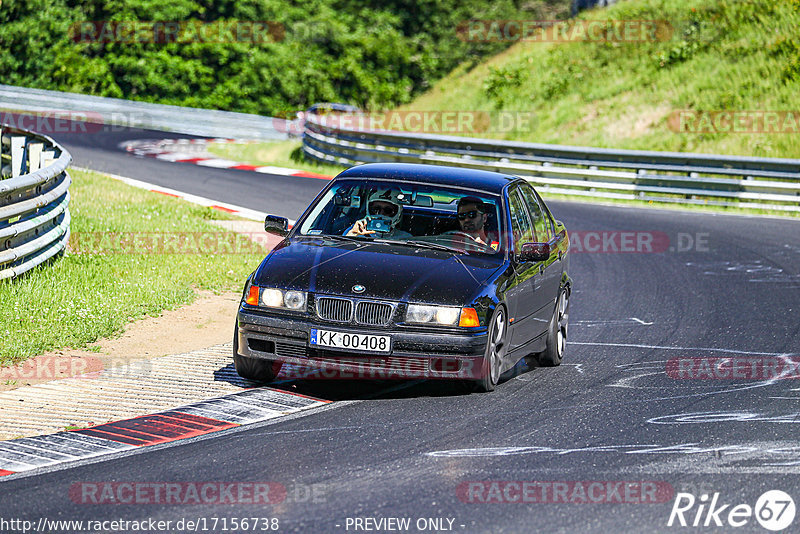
277, 153
93, 292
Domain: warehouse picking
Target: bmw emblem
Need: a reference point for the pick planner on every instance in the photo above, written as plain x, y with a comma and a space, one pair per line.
358, 288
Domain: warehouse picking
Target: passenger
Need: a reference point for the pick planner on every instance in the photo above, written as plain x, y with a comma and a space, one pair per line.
383, 209
472, 219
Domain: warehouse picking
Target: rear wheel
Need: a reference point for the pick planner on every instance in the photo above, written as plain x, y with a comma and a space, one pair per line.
557, 333
253, 368
496, 348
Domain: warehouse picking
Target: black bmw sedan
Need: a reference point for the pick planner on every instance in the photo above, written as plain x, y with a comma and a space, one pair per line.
409, 271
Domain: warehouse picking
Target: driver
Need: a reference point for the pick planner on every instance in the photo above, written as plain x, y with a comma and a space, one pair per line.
385, 210
472, 218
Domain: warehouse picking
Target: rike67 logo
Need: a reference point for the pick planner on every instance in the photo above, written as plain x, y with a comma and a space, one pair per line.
774, 510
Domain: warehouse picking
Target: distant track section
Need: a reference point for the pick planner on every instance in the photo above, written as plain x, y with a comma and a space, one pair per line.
663, 177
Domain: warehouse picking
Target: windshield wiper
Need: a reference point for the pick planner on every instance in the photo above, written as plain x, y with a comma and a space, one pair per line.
424, 244
361, 240
336, 237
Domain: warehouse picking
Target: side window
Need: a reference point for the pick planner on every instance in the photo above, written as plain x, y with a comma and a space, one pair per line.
541, 226
520, 222
547, 214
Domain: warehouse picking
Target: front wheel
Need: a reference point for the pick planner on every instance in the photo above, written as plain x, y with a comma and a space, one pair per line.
253, 368
496, 347
557, 332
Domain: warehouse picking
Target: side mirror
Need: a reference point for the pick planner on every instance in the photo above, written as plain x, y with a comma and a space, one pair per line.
276, 225
535, 252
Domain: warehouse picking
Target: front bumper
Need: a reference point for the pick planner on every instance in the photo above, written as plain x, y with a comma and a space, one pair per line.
416, 353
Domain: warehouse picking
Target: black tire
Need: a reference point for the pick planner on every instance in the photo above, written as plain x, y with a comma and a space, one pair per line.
253, 368
557, 332
496, 347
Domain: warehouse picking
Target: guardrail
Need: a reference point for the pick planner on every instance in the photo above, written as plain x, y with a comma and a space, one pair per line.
34, 200
665, 177
133, 114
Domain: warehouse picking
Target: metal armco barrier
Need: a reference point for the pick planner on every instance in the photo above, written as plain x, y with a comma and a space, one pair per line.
34, 199
665, 177
117, 114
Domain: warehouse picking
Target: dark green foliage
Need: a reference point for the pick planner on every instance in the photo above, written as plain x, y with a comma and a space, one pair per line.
501, 82
372, 54
789, 50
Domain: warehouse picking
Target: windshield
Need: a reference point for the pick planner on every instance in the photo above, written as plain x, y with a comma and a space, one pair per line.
420, 215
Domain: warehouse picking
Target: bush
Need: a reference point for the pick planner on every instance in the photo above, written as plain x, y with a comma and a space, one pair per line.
330, 50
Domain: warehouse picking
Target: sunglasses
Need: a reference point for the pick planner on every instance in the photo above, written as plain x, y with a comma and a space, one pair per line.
390, 210
469, 214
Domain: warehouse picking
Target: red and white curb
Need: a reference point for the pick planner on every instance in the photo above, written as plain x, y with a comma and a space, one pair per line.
194, 151
191, 420
239, 211
140, 399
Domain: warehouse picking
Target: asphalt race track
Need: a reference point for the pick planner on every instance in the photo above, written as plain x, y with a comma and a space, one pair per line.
640, 410
286, 195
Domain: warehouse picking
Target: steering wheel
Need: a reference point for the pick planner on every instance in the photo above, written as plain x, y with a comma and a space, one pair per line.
460, 233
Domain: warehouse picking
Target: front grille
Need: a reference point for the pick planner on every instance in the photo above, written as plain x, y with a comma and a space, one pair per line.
290, 349
261, 345
334, 309
373, 313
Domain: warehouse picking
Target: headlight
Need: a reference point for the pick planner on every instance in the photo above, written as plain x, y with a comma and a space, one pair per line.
277, 298
441, 315
271, 297
294, 300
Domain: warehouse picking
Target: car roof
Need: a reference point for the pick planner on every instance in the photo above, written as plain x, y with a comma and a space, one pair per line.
492, 182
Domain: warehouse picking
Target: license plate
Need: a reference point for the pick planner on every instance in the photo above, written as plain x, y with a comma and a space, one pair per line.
349, 341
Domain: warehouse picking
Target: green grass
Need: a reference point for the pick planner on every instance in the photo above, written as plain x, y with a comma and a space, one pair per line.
83, 297
278, 153
723, 55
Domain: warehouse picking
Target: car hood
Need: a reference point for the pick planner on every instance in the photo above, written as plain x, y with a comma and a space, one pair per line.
387, 271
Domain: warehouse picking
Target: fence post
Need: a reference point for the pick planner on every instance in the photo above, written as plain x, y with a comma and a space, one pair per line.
48, 157
35, 156
17, 156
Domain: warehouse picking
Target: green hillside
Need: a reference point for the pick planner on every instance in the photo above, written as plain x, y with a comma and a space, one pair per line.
256, 56
719, 55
